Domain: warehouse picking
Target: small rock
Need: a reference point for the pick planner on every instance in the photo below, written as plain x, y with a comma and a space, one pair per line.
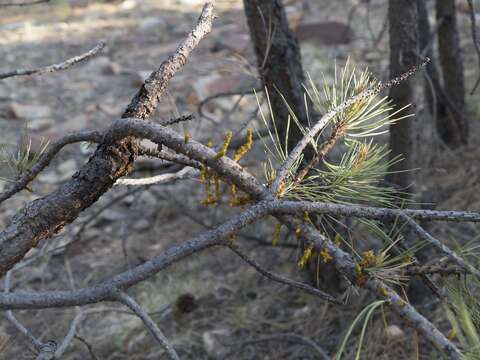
40, 124
112, 215
67, 169
5, 94
212, 344
28, 111
112, 68
48, 177
394, 332
128, 5
148, 201
234, 40
151, 23
98, 63
141, 225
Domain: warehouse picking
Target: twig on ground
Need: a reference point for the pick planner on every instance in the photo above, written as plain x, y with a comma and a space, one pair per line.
288, 338
55, 67
88, 345
152, 327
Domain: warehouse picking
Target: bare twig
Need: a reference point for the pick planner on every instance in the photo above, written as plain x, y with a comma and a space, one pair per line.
283, 280
37, 344
88, 345
452, 255
205, 101
27, 3
70, 335
370, 212
158, 179
152, 327
169, 156
178, 120
145, 101
106, 289
55, 67
46, 158
433, 269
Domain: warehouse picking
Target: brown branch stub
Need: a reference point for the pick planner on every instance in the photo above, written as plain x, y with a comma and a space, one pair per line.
55, 67
146, 100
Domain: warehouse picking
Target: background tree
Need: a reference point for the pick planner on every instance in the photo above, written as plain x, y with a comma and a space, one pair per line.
452, 126
279, 61
402, 16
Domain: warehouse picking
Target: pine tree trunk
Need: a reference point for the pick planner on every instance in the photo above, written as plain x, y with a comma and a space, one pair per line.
452, 128
433, 89
279, 61
402, 16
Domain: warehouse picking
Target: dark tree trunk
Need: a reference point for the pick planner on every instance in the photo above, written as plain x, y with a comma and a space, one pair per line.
452, 128
279, 61
402, 16
434, 92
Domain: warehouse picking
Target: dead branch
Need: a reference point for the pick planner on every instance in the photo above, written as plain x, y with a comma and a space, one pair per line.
55, 67
46, 158
27, 3
281, 279
46, 216
152, 327
146, 100
158, 179
106, 290
37, 344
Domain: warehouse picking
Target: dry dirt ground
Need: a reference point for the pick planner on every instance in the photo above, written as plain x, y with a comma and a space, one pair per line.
211, 306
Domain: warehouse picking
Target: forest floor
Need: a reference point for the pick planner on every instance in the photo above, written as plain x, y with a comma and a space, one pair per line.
211, 306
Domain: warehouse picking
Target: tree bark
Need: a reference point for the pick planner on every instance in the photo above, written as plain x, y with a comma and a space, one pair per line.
433, 90
452, 128
279, 62
402, 16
